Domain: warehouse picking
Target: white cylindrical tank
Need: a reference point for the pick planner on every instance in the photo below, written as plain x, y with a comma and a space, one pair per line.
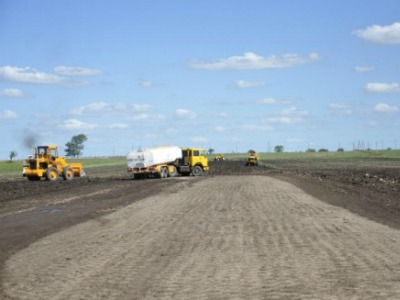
153, 156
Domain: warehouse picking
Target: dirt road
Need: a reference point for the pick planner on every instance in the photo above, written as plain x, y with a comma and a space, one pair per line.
223, 237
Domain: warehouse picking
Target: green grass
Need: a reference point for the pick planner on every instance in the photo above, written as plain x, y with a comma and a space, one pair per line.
372, 158
100, 161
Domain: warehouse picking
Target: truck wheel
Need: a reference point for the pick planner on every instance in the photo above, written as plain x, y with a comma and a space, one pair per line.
52, 174
162, 173
68, 173
197, 171
165, 172
138, 176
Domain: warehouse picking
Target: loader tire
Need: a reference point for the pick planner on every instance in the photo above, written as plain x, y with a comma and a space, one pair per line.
68, 173
52, 174
197, 171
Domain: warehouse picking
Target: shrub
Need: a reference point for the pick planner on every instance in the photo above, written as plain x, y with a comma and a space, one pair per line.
279, 149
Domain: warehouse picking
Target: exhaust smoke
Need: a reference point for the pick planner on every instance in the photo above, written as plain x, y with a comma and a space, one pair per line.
30, 139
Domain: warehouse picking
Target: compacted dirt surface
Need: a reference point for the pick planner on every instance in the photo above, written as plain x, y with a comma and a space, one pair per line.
275, 231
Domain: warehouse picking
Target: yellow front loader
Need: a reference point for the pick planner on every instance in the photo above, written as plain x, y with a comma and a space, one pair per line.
45, 163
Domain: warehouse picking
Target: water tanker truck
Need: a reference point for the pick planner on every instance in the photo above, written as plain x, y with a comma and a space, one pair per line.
167, 161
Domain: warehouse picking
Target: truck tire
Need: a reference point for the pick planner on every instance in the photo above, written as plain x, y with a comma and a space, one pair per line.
197, 171
68, 173
52, 174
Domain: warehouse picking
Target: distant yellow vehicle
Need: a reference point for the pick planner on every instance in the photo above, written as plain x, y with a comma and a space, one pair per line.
219, 157
252, 160
45, 163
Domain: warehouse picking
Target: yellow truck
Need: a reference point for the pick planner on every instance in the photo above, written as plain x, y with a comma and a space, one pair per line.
45, 163
167, 161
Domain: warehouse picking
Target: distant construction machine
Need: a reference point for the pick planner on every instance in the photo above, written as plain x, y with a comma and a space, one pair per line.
252, 160
167, 161
45, 163
219, 157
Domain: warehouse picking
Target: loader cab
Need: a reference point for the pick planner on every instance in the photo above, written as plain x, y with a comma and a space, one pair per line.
47, 152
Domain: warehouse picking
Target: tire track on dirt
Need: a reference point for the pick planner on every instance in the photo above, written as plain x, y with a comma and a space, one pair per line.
226, 237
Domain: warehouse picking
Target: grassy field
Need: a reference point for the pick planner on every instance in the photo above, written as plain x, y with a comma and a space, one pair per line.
387, 154
354, 158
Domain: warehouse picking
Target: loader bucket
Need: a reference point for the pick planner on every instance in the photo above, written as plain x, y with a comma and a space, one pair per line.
78, 169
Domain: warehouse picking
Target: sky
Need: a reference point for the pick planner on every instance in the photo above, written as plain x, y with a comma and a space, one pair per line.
224, 75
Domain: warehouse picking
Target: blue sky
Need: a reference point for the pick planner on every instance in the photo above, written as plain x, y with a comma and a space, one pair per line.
228, 75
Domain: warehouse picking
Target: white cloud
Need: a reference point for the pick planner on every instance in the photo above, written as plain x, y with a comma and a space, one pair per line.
271, 101
199, 139
380, 87
146, 116
185, 114
94, 107
29, 75
251, 61
76, 71
341, 108
252, 127
284, 120
123, 107
118, 126
139, 107
146, 83
381, 34
289, 116
219, 129
106, 108
11, 93
8, 115
385, 108
243, 84
74, 124
364, 69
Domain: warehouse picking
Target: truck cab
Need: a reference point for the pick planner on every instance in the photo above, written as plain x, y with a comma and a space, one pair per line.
195, 161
